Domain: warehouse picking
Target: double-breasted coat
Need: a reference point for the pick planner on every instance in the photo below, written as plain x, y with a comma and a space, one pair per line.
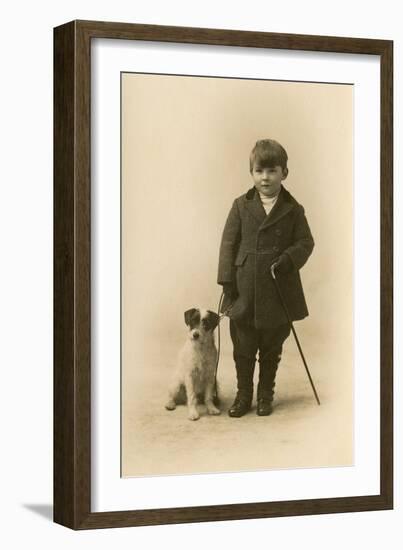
251, 242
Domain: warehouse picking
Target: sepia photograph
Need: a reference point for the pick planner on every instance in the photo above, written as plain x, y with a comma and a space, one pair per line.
236, 275
223, 269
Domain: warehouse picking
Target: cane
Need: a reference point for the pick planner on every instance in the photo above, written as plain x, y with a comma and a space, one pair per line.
293, 330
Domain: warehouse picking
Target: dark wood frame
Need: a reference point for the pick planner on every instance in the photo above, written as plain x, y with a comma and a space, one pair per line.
72, 267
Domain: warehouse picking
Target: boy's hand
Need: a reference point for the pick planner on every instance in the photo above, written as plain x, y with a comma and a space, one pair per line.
283, 264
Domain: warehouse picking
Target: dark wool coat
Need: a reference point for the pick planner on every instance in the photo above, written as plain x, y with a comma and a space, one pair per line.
251, 241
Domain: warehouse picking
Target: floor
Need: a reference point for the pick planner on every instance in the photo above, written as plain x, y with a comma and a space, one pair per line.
299, 433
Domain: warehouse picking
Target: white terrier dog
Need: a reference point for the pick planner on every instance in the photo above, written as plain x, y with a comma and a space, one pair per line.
194, 378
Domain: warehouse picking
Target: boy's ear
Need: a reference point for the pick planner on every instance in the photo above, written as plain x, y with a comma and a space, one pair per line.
285, 173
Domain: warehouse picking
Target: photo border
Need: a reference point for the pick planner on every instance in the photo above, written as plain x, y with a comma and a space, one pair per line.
72, 274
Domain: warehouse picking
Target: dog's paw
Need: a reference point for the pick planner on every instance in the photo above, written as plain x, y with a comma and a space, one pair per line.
170, 406
213, 410
193, 415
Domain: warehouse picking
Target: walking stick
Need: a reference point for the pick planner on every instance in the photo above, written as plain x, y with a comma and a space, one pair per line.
293, 331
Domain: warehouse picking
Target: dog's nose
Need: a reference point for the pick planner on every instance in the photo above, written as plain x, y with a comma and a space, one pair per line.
196, 335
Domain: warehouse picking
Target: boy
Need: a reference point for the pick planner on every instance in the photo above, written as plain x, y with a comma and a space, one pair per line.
266, 227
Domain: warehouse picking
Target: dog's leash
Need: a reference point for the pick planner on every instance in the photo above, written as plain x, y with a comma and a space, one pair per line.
220, 318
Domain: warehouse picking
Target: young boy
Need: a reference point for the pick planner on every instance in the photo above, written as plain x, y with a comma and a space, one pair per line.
266, 227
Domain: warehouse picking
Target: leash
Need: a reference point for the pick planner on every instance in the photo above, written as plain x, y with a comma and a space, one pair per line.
221, 317
293, 331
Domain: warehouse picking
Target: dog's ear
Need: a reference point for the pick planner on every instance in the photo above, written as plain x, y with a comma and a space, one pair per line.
188, 315
213, 319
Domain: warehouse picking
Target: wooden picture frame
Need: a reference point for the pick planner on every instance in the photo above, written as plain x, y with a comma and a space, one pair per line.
72, 274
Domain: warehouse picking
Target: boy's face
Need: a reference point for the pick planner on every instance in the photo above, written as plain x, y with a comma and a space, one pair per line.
268, 179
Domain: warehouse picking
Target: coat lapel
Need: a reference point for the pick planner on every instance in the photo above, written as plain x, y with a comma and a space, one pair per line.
255, 206
280, 209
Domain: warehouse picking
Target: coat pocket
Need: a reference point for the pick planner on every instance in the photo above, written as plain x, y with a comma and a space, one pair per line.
240, 258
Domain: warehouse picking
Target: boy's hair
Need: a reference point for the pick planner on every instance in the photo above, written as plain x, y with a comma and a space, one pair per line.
268, 153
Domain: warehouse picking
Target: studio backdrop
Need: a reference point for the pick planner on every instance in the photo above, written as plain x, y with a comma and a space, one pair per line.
185, 143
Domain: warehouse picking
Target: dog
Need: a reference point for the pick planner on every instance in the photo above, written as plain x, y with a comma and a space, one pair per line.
194, 379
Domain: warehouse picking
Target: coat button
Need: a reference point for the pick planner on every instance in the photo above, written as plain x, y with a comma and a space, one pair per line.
275, 249
278, 231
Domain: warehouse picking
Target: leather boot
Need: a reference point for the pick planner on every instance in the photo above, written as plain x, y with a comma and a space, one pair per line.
243, 399
264, 406
265, 390
240, 406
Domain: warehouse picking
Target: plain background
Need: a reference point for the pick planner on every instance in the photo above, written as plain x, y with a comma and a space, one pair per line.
185, 157
26, 274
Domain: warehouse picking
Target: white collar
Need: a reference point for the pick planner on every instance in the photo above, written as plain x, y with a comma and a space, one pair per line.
268, 200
